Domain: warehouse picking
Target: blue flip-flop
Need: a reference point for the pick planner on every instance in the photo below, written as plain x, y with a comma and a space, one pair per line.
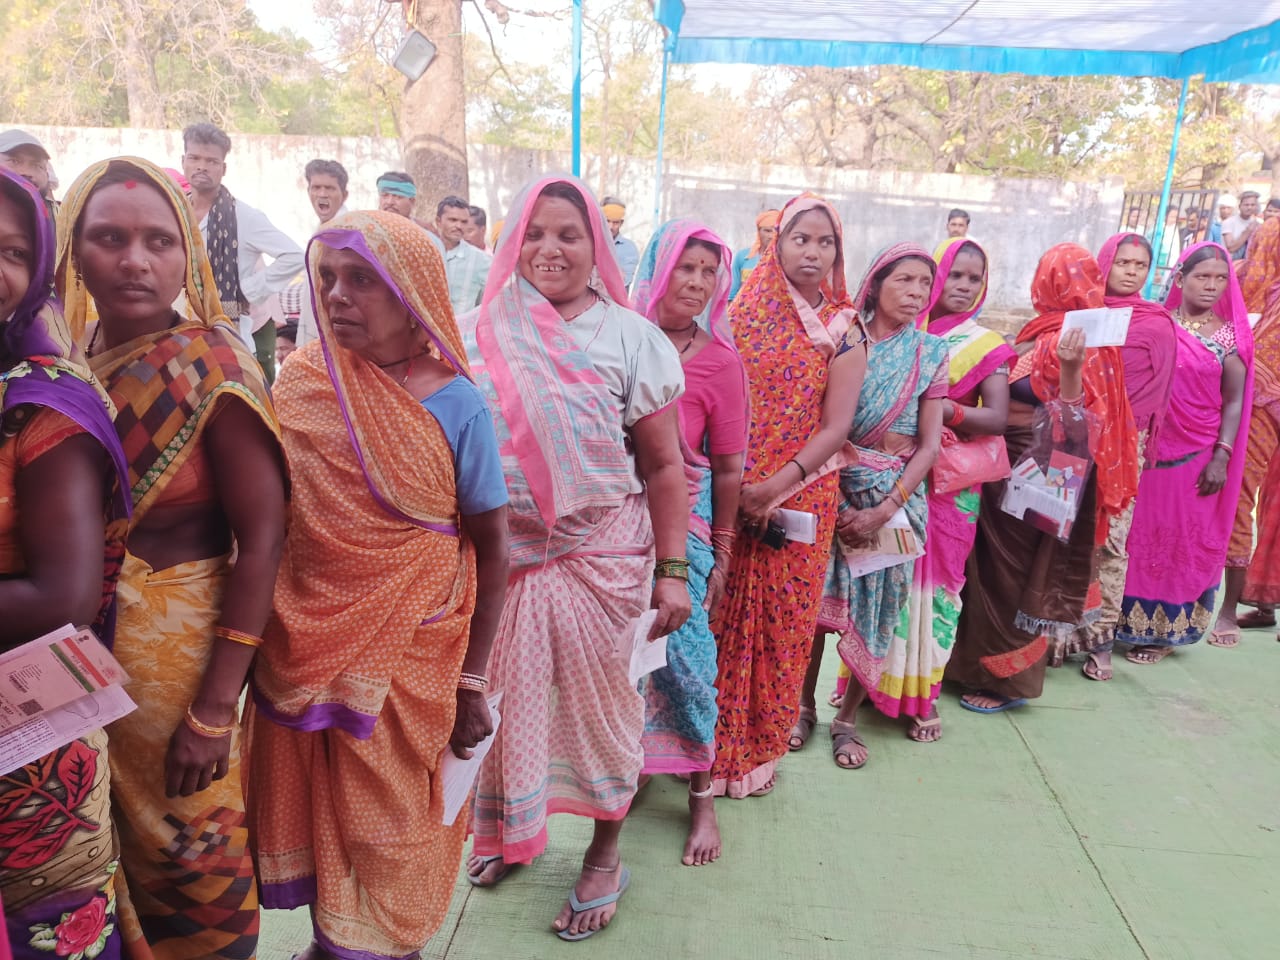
1009, 704
624, 880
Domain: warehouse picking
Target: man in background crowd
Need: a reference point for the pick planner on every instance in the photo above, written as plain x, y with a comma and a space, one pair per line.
745, 260
327, 188
957, 223
1238, 230
26, 156
628, 256
238, 237
466, 267
477, 228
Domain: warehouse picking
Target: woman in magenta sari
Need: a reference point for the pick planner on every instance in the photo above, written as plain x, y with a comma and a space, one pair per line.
682, 285
1187, 497
1148, 358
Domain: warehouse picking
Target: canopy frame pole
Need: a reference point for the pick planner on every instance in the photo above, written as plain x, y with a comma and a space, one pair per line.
662, 136
1158, 236
577, 88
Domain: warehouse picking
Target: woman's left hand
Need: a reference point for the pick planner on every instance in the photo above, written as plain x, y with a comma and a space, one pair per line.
471, 724
193, 761
1214, 475
671, 600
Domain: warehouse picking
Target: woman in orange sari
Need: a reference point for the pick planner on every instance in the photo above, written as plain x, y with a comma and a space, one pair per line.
207, 479
374, 662
789, 321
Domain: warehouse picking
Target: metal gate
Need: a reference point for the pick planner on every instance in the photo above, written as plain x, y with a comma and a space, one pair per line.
1187, 221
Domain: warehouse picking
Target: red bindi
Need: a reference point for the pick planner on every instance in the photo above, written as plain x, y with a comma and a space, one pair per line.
130, 184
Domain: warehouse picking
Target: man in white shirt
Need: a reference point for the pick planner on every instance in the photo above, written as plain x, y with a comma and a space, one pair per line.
628, 256
327, 190
238, 237
465, 266
1239, 230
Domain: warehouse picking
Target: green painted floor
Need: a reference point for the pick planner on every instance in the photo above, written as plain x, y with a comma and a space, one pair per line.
1130, 819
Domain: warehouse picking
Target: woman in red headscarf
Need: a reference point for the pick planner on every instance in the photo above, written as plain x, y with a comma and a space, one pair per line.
1026, 589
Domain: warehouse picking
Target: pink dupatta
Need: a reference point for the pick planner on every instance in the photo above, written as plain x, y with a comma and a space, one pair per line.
570, 455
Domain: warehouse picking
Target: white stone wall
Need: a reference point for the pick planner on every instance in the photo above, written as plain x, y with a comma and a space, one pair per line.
1015, 219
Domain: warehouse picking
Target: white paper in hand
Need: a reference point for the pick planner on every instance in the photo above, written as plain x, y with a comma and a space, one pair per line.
1102, 326
646, 656
460, 775
800, 527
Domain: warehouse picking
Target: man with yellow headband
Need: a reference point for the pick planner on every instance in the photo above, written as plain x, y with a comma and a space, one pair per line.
744, 260
615, 211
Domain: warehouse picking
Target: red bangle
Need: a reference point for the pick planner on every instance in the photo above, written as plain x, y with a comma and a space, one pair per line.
957, 415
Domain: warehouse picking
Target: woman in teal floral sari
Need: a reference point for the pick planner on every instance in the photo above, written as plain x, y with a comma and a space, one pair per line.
896, 432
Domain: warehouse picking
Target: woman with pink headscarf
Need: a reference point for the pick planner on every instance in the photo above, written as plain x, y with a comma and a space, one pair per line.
1187, 497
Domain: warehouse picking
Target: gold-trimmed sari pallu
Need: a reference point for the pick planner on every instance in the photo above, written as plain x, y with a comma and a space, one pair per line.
189, 888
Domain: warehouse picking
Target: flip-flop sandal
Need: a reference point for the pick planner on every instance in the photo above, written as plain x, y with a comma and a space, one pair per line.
843, 734
918, 725
1096, 671
1220, 638
484, 865
1256, 618
624, 880
1006, 703
803, 729
1147, 655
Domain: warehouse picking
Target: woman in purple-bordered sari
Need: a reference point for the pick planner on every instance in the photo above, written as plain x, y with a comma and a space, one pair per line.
682, 285
1187, 497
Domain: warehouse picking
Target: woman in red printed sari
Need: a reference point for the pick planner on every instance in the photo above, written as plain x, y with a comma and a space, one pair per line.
789, 320
1026, 592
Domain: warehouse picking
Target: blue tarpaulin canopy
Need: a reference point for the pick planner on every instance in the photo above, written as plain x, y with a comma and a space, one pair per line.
1217, 39
1220, 40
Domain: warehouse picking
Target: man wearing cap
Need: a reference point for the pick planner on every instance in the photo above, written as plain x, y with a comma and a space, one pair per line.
466, 267
745, 260
26, 156
237, 237
615, 211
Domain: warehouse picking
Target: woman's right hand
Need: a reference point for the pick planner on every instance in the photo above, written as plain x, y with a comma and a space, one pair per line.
857, 528
1071, 350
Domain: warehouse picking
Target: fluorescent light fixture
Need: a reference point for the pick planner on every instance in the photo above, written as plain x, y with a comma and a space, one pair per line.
414, 55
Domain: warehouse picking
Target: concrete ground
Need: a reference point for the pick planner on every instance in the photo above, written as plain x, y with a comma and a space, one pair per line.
1107, 821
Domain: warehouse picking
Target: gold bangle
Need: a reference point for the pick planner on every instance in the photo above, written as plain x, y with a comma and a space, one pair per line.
237, 636
675, 568
473, 682
205, 730
902, 492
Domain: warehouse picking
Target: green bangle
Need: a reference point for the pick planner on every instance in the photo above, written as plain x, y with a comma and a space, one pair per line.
675, 568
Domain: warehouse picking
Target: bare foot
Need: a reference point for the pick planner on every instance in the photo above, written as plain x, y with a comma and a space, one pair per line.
703, 845
592, 884
486, 871
927, 729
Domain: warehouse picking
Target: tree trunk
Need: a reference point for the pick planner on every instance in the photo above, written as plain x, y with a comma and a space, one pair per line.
145, 107
433, 127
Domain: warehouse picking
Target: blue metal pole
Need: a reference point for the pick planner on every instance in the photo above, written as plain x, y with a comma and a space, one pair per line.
1157, 244
662, 135
577, 88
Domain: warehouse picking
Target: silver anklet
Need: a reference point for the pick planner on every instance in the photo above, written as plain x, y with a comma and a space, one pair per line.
701, 794
599, 869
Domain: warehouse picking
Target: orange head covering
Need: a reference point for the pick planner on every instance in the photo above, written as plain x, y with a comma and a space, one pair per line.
767, 218
1069, 278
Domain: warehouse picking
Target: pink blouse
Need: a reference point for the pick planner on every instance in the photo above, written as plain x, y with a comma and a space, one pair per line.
714, 404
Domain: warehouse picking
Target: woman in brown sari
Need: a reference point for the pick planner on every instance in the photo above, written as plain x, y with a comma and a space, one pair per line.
1026, 591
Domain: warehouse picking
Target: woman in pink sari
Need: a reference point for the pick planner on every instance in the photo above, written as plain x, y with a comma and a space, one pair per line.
1148, 357
583, 395
1187, 497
